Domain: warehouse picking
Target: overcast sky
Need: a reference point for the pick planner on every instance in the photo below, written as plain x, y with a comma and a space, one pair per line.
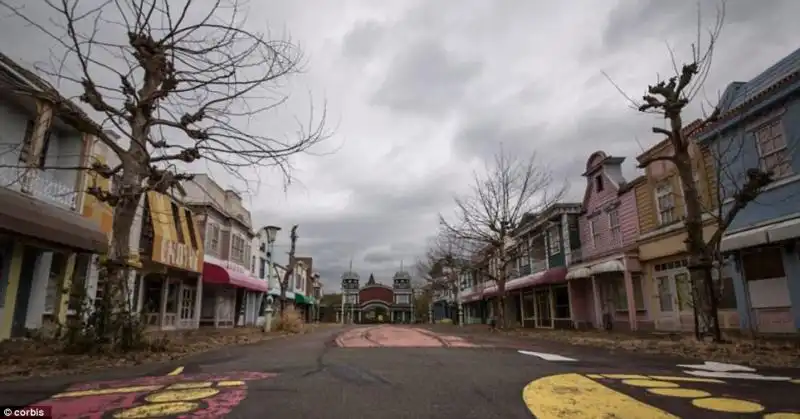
419, 93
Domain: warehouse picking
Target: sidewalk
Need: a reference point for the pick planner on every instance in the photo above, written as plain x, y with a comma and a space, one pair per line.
29, 358
755, 352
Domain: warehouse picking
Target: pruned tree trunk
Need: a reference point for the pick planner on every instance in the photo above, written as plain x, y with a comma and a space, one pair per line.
181, 89
670, 98
289, 269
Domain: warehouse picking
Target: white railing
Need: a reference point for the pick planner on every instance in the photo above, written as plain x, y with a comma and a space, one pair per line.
39, 184
538, 266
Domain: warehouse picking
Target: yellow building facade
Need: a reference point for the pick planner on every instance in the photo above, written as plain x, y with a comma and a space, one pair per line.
166, 248
662, 240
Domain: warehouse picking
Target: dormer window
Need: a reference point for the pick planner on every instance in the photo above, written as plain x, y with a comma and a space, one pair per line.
598, 182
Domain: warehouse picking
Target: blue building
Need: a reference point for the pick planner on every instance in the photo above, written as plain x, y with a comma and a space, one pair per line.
759, 127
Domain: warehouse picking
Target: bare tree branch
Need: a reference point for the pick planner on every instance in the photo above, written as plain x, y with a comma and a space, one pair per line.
484, 221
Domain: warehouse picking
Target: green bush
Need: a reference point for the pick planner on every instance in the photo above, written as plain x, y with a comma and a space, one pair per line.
445, 321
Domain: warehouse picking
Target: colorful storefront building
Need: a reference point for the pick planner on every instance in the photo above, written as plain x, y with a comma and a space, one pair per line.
662, 239
605, 276
375, 302
231, 291
168, 288
759, 126
536, 291
44, 241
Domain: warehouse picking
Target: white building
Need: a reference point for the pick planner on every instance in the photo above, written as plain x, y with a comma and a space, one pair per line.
232, 292
44, 240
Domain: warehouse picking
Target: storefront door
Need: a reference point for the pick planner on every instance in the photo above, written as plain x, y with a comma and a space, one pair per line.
187, 306
674, 300
543, 315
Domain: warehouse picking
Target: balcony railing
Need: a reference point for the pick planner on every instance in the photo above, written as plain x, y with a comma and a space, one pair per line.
538, 266
37, 183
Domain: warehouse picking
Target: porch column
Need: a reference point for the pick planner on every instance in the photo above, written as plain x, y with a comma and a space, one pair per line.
571, 305
552, 306
198, 302
628, 278
742, 296
598, 309
179, 305
522, 308
64, 284
565, 241
92, 278
140, 297
791, 265
164, 294
39, 286
14, 272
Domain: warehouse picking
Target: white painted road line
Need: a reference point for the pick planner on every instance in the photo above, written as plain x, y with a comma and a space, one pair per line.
547, 357
721, 370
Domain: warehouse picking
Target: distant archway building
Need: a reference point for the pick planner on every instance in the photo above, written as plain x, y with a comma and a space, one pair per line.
375, 302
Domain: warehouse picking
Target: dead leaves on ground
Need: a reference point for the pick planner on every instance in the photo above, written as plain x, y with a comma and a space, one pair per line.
756, 352
36, 358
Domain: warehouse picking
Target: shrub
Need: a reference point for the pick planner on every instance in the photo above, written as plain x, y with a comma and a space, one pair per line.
445, 321
289, 321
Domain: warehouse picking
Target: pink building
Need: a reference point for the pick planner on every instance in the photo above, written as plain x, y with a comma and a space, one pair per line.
605, 275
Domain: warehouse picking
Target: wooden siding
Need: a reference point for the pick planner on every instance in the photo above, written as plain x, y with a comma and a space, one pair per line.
99, 212
646, 206
167, 249
663, 171
598, 204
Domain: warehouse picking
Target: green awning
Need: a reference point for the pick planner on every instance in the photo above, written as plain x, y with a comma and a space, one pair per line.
301, 299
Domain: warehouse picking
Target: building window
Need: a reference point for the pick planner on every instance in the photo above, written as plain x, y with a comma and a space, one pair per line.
190, 225
765, 277
212, 237
598, 182
237, 249
619, 293
553, 240
594, 232
402, 299
613, 224
772, 149
350, 299
176, 218
665, 203
262, 268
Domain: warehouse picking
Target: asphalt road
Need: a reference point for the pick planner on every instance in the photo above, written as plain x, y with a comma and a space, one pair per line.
403, 372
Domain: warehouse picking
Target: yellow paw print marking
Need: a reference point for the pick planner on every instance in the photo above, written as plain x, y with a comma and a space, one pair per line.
724, 404
666, 386
782, 415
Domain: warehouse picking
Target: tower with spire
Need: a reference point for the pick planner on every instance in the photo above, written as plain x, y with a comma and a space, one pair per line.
350, 288
401, 285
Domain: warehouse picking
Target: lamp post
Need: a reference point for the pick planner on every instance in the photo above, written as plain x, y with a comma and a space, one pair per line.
272, 233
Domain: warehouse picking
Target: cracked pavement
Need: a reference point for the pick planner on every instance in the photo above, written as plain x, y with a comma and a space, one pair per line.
392, 371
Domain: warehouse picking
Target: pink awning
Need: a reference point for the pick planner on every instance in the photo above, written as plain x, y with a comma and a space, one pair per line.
550, 276
215, 274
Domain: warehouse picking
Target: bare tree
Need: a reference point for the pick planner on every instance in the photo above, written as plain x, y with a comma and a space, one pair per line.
284, 283
670, 98
486, 218
180, 82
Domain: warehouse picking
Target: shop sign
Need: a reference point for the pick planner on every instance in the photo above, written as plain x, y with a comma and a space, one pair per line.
179, 255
